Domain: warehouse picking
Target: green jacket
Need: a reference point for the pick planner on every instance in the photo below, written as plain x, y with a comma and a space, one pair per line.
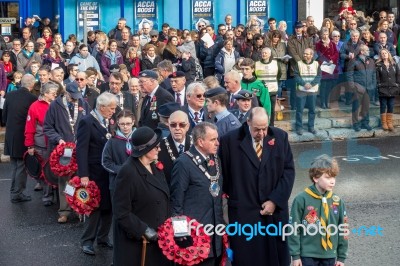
308, 210
257, 87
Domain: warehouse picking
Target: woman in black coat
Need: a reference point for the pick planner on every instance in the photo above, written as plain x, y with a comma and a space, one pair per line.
140, 203
388, 80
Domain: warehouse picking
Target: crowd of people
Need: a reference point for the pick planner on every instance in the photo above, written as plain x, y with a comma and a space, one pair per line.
203, 110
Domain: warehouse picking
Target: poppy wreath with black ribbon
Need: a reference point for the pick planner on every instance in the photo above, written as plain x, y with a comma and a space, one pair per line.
85, 199
59, 169
191, 255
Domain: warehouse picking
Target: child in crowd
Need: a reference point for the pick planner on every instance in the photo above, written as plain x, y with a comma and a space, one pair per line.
34, 69
15, 83
251, 83
317, 206
346, 8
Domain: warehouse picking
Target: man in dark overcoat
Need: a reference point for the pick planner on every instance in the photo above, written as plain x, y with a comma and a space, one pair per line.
15, 111
92, 135
176, 143
258, 190
196, 185
155, 97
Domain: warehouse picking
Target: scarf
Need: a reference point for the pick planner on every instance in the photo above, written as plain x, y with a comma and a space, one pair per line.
325, 240
128, 145
27, 54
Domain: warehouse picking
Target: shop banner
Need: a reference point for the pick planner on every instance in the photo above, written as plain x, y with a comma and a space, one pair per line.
258, 8
146, 11
202, 11
92, 9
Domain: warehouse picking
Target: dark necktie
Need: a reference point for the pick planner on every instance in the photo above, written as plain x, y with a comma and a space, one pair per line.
232, 100
104, 122
181, 146
178, 98
147, 100
136, 101
215, 119
196, 117
241, 116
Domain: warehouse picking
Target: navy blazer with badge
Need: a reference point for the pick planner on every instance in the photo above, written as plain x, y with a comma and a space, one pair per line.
249, 183
162, 96
91, 139
141, 202
90, 96
165, 157
190, 194
236, 113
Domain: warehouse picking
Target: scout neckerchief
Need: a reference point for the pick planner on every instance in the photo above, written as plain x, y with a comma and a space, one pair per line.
127, 139
169, 149
214, 186
103, 124
72, 120
325, 240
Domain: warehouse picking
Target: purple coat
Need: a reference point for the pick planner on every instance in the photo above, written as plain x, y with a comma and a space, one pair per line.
3, 78
107, 60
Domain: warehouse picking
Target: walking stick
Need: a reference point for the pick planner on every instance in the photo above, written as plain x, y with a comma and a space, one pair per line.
144, 246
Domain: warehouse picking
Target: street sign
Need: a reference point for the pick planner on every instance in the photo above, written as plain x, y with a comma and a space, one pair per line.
8, 20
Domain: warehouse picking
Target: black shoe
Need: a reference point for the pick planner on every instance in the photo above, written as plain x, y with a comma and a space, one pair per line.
367, 127
105, 245
312, 131
21, 198
88, 250
299, 131
48, 203
323, 106
356, 128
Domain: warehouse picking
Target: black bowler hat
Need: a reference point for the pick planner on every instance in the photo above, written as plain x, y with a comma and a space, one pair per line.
144, 139
148, 74
243, 95
33, 165
167, 109
298, 24
177, 74
72, 89
214, 92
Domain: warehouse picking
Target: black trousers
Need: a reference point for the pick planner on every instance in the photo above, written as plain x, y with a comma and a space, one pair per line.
97, 225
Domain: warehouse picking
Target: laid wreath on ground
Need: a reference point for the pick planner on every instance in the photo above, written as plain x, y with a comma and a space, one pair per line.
191, 255
84, 199
62, 161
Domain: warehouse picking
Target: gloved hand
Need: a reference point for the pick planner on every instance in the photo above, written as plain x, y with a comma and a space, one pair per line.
150, 234
184, 242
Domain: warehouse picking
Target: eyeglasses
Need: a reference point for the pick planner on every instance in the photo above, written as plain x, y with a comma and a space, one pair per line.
199, 96
157, 147
125, 124
79, 79
335, 35
175, 125
201, 26
154, 36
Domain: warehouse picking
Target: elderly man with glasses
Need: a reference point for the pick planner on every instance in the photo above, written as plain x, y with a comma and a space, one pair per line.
88, 94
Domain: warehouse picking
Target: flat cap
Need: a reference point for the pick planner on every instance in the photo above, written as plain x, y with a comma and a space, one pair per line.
243, 95
177, 74
167, 109
148, 74
214, 92
114, 68
153, 33
298, 24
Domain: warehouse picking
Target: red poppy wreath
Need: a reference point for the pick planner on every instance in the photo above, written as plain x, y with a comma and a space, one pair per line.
191, 255
85, 199
62, 165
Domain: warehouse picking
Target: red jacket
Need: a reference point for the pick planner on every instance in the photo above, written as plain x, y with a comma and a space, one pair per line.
328, 54
34, 124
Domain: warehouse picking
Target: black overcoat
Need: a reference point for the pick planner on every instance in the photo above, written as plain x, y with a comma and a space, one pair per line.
249, 183
190, 195
146, 119
141, 199
90, 142
165, 157
15, 111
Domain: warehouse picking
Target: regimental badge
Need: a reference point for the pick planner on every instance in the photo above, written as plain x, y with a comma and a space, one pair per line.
28, 118
334, 207
108, 136
335, 198
311, 217
154, 116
